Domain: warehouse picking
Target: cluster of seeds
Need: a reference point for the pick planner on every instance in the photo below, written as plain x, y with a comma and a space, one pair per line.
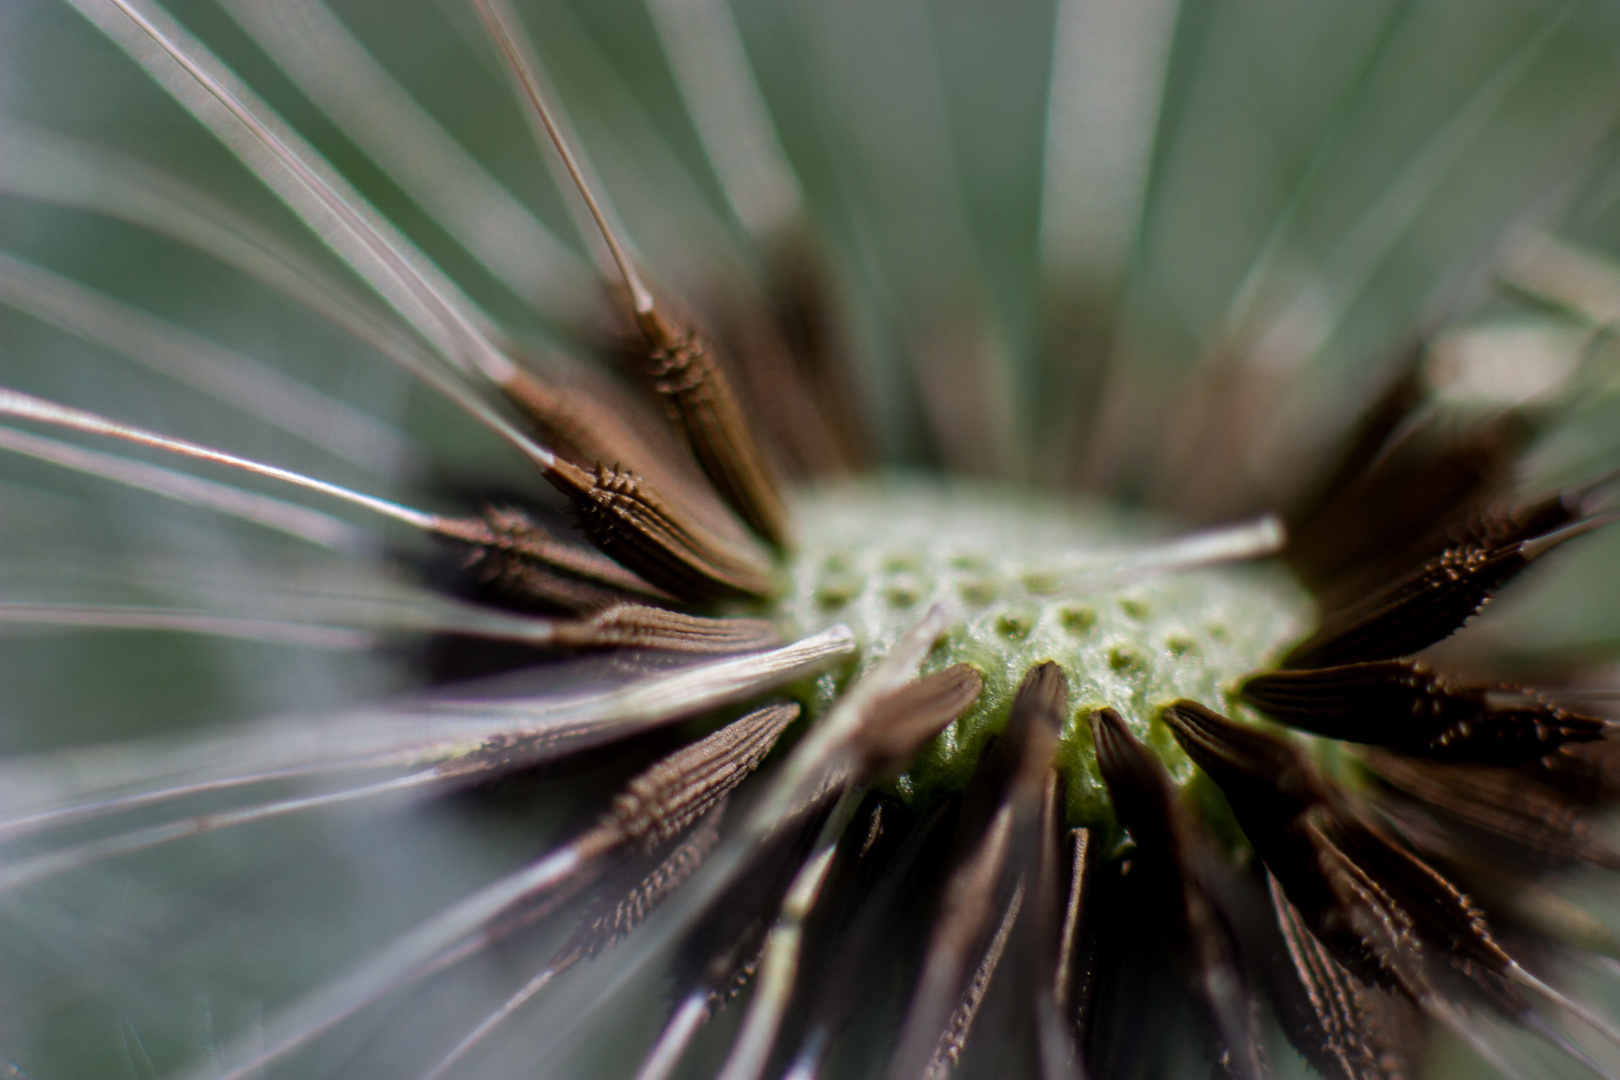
1016, 711
1031, 581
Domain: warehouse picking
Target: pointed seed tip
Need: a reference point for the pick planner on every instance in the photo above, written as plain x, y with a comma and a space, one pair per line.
1538, 546
905, 719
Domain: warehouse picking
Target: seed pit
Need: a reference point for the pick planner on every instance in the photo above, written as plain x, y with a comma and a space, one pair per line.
1015, 625
978, 591
836, 591
1041, 582
1124, 659
902, 594
1078, 620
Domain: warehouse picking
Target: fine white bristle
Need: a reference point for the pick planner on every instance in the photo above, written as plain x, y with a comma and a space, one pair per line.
227, 376
1247, 540
289, 518
103, 617
707, 56
20, 873
72, 815
313, 47
779, 960
391, 967
49, 167
677, 1035
1587, 1015
577, 703
1322, 301
38, 410
489, 1023
504, 27
279, 157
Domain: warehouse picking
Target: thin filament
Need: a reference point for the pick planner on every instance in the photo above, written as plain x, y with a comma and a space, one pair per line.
501, 20
676, 1037
779, 963
492, 1021
290, 518
27, 407
28, 871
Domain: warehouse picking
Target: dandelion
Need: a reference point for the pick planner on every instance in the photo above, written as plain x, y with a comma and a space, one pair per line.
900, 540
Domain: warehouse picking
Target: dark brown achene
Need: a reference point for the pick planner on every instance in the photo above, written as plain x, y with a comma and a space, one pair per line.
712, 747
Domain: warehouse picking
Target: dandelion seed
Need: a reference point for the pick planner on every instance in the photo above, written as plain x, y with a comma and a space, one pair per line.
1239, 762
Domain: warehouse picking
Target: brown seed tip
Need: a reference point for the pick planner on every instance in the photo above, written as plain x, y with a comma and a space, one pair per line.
520, 558
635, 525
661, 802
686, 373
640, 626
1036, 720
907, 718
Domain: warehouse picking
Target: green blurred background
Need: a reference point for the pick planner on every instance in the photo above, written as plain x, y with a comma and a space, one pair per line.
1165, 251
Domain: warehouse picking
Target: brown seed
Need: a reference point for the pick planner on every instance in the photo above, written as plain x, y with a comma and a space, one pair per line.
1503, 815
1405, 706
880, 917
588, 420
687, 375
626, 900
906, 719
637, 526
1345, 1028
524, 560
680, 361
611, 918
638, 626
721, 953
1407, 473
966, 909
948, 1051
1068, 979
1049, 941
1384, 913
667, 798
1430, 602
1174, 847
997, 842
803, 311
787, 371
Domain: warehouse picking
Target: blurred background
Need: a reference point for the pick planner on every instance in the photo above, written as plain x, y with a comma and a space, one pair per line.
1157, 252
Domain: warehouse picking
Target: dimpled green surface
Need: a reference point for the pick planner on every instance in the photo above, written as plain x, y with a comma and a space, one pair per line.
1032, 580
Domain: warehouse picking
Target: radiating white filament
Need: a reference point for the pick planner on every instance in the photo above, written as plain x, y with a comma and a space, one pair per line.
676, 1037
418, 732
24, 872
225, 375
505, 28
290, 518
707, 56
779, 961
313, 47
427, 300
27, 407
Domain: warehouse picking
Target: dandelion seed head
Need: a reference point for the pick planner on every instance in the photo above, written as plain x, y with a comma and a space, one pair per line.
1034, 580
801, 766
